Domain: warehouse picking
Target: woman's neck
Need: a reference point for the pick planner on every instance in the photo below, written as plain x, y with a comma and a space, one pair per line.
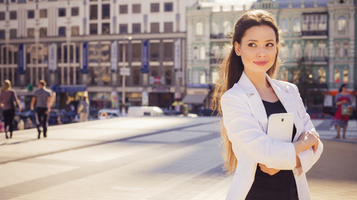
259, 81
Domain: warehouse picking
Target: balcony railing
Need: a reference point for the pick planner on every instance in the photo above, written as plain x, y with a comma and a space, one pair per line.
314, 33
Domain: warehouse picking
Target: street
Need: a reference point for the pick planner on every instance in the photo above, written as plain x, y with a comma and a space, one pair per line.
148, 158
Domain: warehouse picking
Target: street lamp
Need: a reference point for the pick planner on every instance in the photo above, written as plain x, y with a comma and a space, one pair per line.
124, 72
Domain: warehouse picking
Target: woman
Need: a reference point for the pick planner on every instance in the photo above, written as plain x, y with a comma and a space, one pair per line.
83, 108
7, 98
246, 95
339, 120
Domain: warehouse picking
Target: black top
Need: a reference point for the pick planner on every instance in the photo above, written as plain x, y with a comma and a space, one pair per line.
282, 184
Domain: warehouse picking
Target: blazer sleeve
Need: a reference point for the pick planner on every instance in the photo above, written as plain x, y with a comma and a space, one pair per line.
307, 158
245, 132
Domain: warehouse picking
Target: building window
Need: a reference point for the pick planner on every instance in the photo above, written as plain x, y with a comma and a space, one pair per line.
136, 76
136, 52
93, 12
168, 76
43, 32
13, 33
31, 32
154, 51
284, 25
105, 28
75, 30
337, 75
61, 12
323, 22
202, 53
13, 15
120, 52
345, 75
136, 8
43, 13
2, 34
30, 14
296, 27
227, 28
2, 1
123, 9
75, 11
168, 7
105, 11
168, 27
123, 28
93, 29
155, 27
337, 49
199, 28
62, 31
2, 16
322, 75
136, 28
341, 23
215, 29
345, 49
155, 7
168, 51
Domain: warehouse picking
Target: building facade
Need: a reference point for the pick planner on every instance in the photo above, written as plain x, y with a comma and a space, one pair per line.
102, 46
318, 47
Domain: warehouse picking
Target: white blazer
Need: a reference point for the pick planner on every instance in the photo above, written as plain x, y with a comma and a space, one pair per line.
245, 119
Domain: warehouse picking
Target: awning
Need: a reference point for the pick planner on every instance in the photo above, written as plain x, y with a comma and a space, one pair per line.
69, 88
194, 98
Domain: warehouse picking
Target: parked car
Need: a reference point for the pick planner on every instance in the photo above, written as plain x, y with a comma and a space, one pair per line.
138, 111
321, 116
207, 112
60, 117
107, 113
171, 112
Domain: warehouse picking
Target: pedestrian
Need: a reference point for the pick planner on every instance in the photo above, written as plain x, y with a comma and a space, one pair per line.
83, 108
42, 96
245, 95
8, 99
339, 120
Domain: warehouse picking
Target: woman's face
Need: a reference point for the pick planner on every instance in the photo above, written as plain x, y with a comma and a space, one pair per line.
257, 49
344, 89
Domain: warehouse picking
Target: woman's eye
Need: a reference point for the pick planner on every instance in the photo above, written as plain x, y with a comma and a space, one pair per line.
270, 45
252, 45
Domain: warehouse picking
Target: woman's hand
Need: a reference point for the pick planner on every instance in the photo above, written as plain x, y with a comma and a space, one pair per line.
310, 139
267, 170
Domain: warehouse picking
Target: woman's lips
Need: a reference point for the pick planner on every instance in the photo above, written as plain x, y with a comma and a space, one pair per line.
261, 63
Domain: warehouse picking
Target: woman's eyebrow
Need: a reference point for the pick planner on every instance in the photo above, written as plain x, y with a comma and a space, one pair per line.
251, 40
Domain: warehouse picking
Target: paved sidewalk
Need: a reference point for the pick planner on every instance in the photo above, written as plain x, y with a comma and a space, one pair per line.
154, 158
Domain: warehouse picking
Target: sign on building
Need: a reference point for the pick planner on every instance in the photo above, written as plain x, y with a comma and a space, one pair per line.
177, 64
125, 71
157, 80
52, 64
84, 69
145, 67
21, 57
114, 56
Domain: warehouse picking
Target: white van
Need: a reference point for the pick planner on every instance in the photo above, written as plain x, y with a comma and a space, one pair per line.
107, 113
138, 111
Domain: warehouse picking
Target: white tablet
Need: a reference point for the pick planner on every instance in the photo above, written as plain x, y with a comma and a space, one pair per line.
280, 126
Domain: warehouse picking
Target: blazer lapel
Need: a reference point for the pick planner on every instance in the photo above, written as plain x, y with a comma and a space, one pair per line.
255, 102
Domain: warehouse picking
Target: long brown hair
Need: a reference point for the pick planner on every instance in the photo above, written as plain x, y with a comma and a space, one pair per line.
232, 68
6, 86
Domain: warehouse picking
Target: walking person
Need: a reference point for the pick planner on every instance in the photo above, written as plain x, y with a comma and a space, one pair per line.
246, 94
83, 108
42, 96
8, 98
340, 120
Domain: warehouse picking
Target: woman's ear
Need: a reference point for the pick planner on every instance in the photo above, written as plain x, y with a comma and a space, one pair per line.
237, 48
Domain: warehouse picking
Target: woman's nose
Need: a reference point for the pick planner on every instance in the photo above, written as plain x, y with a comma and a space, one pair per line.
261, 52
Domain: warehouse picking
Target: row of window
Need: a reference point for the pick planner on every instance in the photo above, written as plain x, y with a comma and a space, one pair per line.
97, 53
123, 9
93, 30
